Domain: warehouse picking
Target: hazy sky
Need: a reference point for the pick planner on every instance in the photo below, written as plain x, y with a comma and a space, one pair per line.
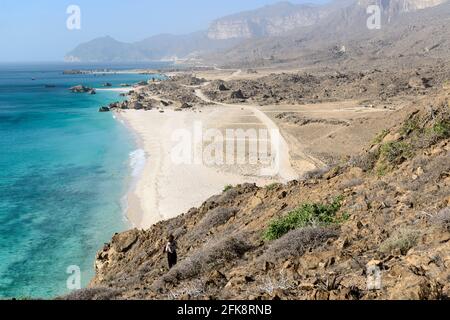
35, 30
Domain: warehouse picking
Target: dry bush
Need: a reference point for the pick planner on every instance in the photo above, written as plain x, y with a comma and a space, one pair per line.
442, 219
366, 161
402, 240
316, 174
212, 255
213, 219
194, 289
431, 291
351, 183
94, 294
271, 284
298, 242
434, 169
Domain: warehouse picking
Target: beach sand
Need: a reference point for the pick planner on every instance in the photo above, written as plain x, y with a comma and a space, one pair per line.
166, 189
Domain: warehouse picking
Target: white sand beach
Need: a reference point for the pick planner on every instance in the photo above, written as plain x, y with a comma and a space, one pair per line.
166, 189
119, 90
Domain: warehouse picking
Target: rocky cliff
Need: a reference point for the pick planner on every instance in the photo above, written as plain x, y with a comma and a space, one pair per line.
264, 32
268, 21
281, 18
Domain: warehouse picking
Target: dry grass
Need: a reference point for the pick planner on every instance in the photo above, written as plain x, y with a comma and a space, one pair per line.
442, 219
213, 219
366, 161
271, 284
94, 294
211, 256
297, 242
403, 240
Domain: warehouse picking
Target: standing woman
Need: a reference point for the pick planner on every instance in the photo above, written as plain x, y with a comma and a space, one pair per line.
171, 250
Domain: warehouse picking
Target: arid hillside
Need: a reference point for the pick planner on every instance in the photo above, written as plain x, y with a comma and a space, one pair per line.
374, 227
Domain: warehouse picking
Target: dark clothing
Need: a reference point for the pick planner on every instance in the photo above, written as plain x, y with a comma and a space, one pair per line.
171, 250
172, 259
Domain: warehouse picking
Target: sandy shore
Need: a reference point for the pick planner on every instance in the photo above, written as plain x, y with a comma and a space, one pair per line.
120, 90
164, 188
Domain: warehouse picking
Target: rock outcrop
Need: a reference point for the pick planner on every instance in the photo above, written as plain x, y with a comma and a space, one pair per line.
80, 89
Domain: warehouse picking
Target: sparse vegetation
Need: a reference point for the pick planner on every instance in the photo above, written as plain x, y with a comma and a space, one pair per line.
213, 219
208, 257
432, 290
402, 240
380, 137
272, 186
351, 183
227, 188
442, 219
442, 129
269, 285
296, 242
316, 174
382, 169
101, 293
395, 152
410, 126
194, 289
365, 161
308, 214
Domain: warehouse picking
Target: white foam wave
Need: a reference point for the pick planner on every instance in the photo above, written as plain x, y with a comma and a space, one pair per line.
137, 162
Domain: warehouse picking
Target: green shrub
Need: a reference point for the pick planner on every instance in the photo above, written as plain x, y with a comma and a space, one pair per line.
380, 137
382, 169
410, 126
393, 152
227, 188
442, 129
308, 214
272, 186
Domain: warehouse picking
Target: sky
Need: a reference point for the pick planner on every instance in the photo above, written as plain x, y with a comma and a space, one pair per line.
36, 30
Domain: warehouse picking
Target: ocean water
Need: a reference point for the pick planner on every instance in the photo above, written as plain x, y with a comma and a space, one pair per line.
64, 171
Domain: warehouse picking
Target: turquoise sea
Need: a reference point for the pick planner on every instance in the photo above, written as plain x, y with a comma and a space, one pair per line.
64, 172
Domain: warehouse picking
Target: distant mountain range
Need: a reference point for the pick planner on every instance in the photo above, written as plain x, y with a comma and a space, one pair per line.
160, 47
260, 34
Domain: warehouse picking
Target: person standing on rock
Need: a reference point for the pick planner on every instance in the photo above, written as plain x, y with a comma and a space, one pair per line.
171, 250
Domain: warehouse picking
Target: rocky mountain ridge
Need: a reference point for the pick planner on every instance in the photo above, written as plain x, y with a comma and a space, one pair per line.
252, 31
268, 21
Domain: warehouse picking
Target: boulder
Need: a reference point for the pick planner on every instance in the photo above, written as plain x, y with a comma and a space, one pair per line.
104, 109
237, 95
80, 89
186, 105
93, 91
136, 105
107, 84
418, 83
222, 87
124, 242
114, 105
